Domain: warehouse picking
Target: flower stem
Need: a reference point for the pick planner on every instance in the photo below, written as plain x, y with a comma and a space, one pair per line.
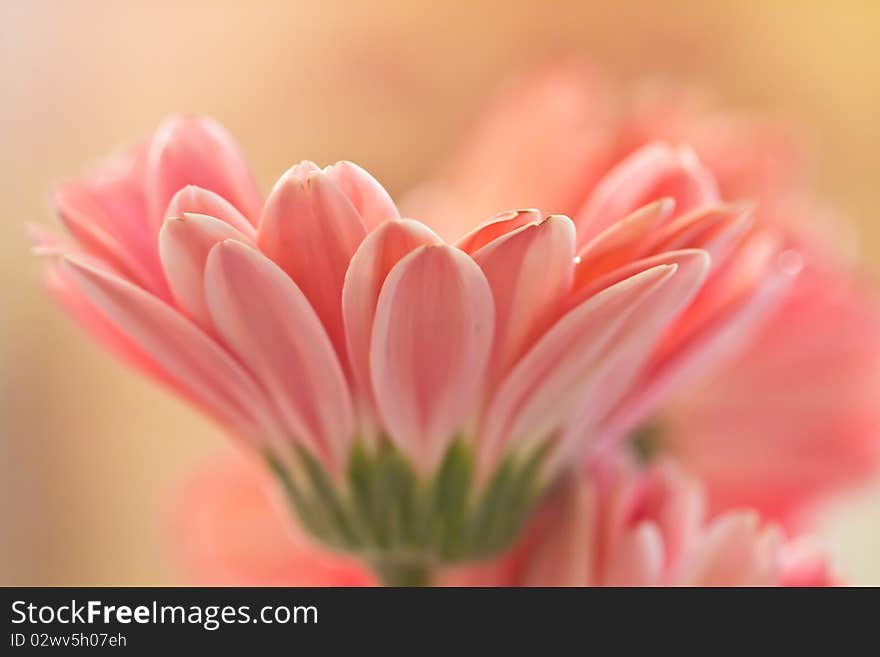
402, 573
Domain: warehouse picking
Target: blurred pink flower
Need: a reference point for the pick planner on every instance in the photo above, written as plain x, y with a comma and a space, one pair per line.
620, 525
775, 418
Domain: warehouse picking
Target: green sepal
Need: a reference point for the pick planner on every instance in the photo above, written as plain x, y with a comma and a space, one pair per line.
380, 509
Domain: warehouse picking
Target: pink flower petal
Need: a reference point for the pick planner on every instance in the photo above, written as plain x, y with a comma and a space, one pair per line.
692, 268
105, 332
622, 242
637, 559
369, 267
312, 230
501, 224
804, 563
368, 197
181, 349
550, 380
266, 320
431, 341
715, 229
530, 273
735, 551
696, 346
106, 212
195, 200
184, 243
653, 172
192, 150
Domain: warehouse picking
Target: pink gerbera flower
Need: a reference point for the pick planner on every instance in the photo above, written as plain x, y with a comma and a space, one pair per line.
416, 396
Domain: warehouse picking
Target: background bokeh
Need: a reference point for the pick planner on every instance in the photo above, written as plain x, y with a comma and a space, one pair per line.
89, 454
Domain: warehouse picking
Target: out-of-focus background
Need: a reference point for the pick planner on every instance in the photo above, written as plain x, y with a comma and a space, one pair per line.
88, 452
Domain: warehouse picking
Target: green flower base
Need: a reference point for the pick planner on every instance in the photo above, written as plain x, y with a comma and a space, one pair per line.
406, 527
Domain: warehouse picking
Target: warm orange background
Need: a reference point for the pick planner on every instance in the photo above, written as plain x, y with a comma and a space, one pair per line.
88, 452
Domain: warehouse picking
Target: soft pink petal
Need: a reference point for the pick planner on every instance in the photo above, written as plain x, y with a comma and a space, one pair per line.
369, 267
266, 320
107, 213
651, 173
675, 502
184, 243
193, 150
637, 559
695, 347
795, 415
312, 230
106, 333
368, 197
180, 348
613, 375
530, 273
547, 384
693, 267
195, 200
735, 551
501, 224
431, 341
804, 563
622, 242
714, 228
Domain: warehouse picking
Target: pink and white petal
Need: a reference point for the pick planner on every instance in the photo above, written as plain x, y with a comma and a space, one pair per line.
375, 257
695, 348
637, 558
530, 273
194, 150
809, 379
106, 212
548, 383
805, 563
691, 257
431, 341
369, 198
265, 319
195, 200
105, 332
230, 527
622, 242
192, 359
622, 367
715, 229
651, 173
501, 224
677, 503
184, 243
734, 551
312, 230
